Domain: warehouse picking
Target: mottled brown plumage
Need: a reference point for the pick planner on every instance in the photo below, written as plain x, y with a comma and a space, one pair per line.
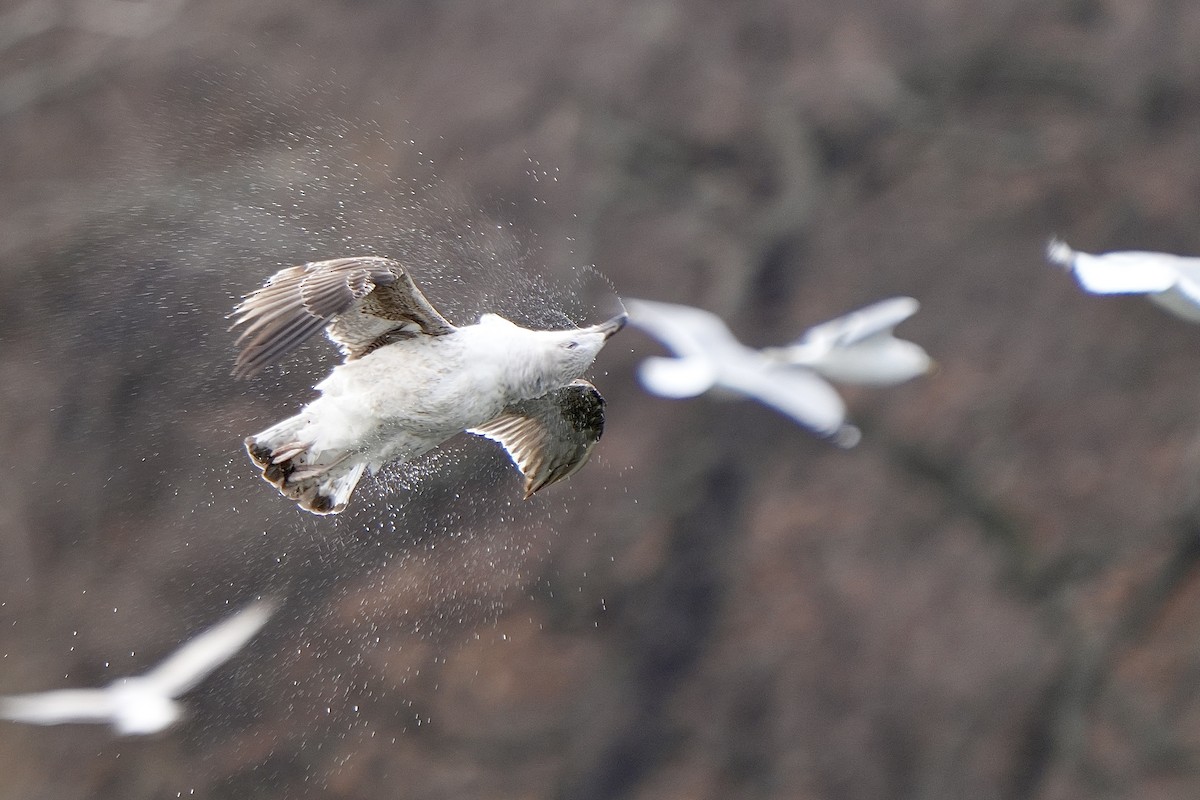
363, 303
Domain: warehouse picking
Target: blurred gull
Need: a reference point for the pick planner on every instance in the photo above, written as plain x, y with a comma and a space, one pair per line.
411, 380
1171, 281
857, 348
144, 704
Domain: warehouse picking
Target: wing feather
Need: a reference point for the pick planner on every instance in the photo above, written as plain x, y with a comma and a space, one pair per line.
361, 302
877, 319
275, 340
686, 330
550, 437
193, 661
58, 707
800, 394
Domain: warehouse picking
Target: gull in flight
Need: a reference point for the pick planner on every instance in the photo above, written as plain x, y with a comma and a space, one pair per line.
410, 380
1171, 281
144, 704
858, 348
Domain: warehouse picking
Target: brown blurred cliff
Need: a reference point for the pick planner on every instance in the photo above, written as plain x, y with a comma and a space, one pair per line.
995, 595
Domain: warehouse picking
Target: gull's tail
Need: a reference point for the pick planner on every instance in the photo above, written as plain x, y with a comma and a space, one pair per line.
320, 482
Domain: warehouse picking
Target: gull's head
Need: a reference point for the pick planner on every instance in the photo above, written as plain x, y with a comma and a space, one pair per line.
140, 708
576, 349
566, 355
1059, 252
533, 362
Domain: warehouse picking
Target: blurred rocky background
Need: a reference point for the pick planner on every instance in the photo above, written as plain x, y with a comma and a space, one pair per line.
995, 595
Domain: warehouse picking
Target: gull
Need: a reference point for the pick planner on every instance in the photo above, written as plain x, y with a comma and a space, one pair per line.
857, 348
144, 704
410, 380
1171, 281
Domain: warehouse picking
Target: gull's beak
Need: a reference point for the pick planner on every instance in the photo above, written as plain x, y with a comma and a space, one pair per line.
612, 326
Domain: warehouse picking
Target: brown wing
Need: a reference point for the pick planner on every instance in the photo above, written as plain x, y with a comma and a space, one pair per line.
362, 303
550, 437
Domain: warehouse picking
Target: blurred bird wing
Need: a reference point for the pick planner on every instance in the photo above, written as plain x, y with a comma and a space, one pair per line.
1189, 287
192, 662
877, 319
1130, 272
363, 302
59, 707
550, 437
1182, 300
677, 377
1187, 272
686, 330
800, 394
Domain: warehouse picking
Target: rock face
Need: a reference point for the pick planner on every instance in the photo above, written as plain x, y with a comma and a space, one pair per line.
995, 595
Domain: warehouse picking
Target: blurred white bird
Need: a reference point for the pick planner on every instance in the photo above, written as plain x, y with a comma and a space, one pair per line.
144, 704
411, 380
856, 348
1171, 281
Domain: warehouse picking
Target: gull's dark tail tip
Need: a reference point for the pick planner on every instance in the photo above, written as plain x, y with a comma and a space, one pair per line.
317, 488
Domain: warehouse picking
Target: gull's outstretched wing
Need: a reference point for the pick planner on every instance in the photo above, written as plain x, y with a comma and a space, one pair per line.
874, 320
193, 662
1128, 272
59, 707
686, 330
1182, 300
1189, 290
550, 437
363, 302
800, 394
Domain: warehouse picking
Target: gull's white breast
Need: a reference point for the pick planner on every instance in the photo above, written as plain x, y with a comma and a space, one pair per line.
884, 361
409, 396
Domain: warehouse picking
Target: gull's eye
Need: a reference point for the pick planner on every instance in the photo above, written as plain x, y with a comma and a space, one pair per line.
571, 345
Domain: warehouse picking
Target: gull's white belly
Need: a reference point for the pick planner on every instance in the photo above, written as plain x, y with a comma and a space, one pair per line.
399, 401
878, 363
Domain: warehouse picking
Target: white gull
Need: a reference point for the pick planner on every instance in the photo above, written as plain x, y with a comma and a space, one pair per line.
1171, 281
857, 348
144, 704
